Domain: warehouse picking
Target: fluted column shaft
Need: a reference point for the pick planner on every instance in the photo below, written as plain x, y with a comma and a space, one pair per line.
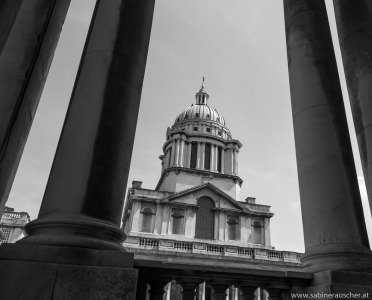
334, 228
173, 154
84, 196
29, 34
202, 155
235, 161
178, 149
354, 24
198, 156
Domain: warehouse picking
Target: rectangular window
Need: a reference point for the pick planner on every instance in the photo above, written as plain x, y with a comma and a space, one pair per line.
207, 157
195, 128
208, 130
177, 221
219, 159
194, 154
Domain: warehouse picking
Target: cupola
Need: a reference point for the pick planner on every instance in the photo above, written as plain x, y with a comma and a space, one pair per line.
202, 96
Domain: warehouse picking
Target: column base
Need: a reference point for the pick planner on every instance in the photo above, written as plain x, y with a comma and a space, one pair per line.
337, 257
344, 284
50, 272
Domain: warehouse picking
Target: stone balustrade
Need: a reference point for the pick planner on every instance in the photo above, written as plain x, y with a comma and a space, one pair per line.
211, 249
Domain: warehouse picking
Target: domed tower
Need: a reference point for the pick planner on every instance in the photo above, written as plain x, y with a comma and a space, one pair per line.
200, 149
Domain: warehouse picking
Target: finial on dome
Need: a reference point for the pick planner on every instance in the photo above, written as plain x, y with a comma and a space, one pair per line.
202, 96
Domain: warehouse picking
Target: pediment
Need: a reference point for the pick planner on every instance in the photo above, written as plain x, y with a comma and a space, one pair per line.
221, 199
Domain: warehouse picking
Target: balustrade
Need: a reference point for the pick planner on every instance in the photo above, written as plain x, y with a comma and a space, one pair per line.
209, 248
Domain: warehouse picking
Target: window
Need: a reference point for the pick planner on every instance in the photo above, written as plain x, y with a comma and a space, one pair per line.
208, 130
207, 160
204, 225
187, 116
194, 153
257, 232
219, 159
195, 128
177, 221
196, 115
147, 216
6, 233
218, 119
208, 116
232, 228
219, 133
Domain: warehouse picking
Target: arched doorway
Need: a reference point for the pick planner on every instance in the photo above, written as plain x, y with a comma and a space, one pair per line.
204, 227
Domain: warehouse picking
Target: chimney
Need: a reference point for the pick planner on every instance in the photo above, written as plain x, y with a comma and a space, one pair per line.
136, 184
250, 200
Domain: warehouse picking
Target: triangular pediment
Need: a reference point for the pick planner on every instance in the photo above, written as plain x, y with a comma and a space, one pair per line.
221, 199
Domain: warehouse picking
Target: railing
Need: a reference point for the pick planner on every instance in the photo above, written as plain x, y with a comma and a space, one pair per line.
210, 249
183, 246
150, 243
246, 252
215, 249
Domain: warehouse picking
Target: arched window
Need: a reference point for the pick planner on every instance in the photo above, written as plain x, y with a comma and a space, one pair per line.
196, 115
178, 221
257, 232
232, 226
204, 227
147, 216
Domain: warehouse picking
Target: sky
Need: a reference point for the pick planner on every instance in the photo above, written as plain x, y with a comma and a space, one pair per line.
239, 46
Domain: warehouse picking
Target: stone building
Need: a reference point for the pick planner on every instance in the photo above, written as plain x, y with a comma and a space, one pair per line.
12, 225
197, 197
195, 208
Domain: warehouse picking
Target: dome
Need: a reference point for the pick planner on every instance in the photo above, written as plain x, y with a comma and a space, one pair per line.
200, 112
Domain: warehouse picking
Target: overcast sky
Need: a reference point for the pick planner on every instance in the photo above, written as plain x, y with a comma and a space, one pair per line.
239, 46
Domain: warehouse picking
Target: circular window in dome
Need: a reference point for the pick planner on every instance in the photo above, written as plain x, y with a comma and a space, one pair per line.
208, 116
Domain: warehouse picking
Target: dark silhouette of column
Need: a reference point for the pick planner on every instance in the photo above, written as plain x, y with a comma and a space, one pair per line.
24, 65
334, 228
354, 24
8, 13
83, 201
157, 289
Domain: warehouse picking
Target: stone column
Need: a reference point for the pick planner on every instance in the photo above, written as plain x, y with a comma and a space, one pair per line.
157, 289
177, 155
231, 161
24, 66
158, 218
215, 158
202, 155
185, 154
334, 228
173, 154
219, 291
198, 154
8, 12
83, 201
235, 161
165, 219
182, 151
354, 24
222, 160
212, 158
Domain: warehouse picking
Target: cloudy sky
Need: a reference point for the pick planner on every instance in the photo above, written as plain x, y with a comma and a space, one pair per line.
239, 46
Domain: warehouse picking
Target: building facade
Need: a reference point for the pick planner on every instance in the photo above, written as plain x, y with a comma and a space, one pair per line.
12, 225
198, 194
195, 213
